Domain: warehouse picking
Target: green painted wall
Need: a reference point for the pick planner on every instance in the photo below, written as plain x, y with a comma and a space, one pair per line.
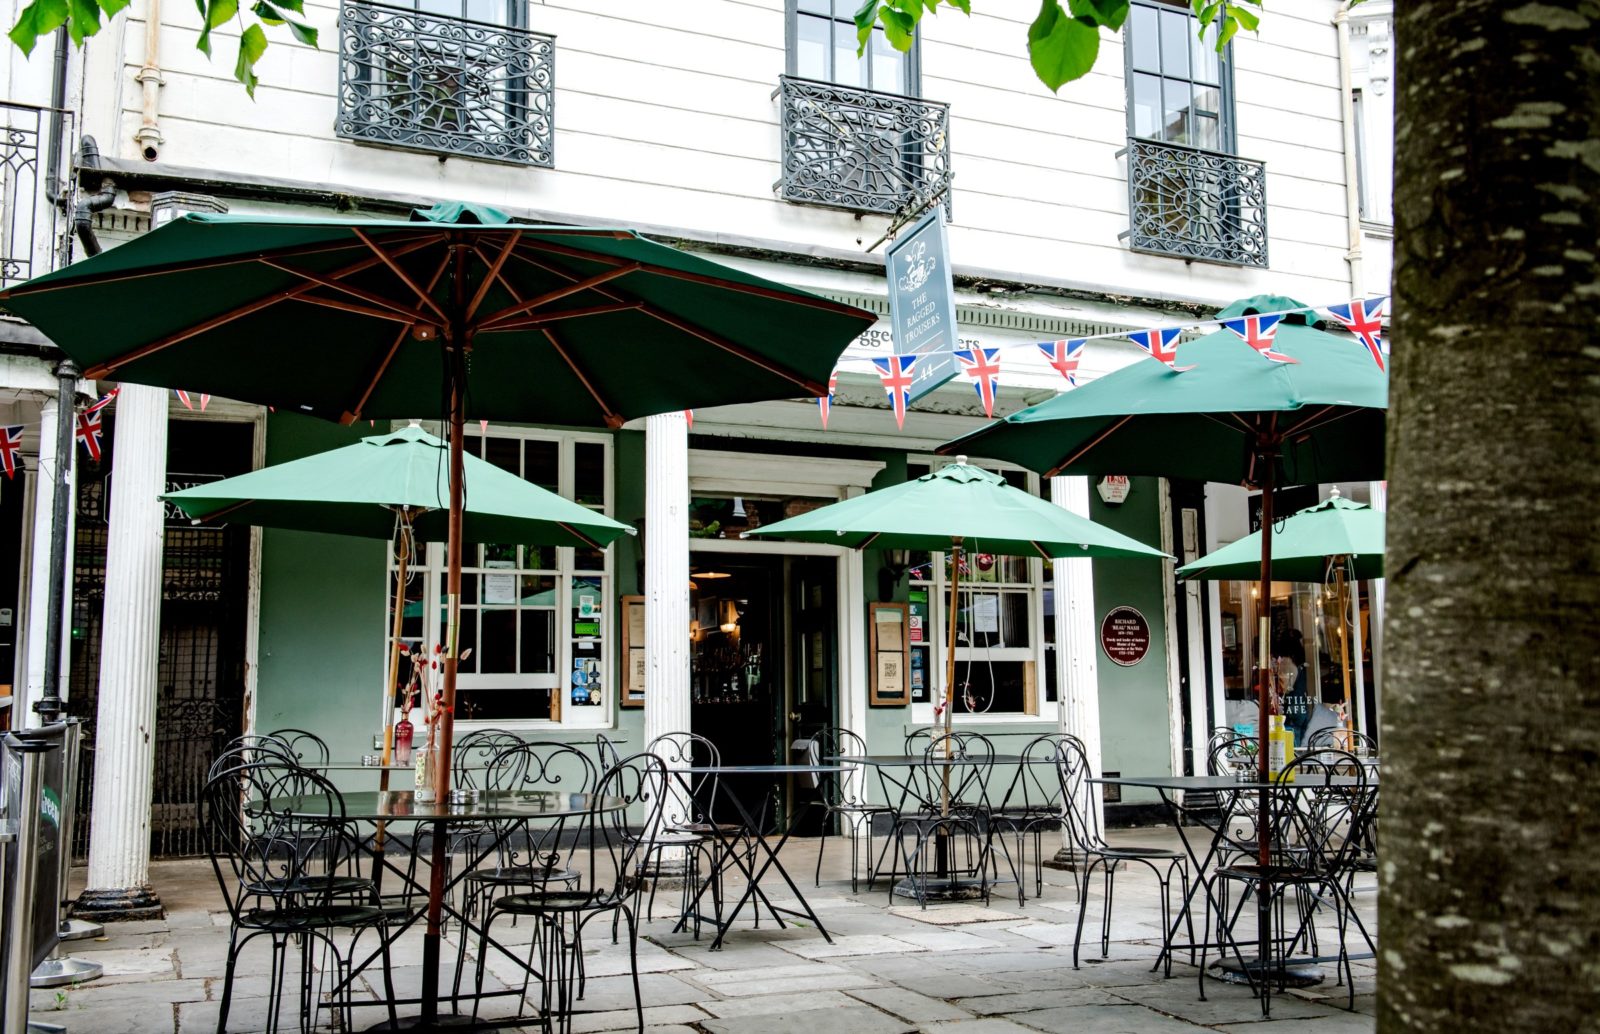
1133, 700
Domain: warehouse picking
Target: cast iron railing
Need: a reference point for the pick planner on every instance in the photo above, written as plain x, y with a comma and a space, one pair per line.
27, 224
860, 149
446, 85
1196, 204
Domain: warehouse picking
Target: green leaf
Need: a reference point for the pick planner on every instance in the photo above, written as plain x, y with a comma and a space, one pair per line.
866, 19
898, 27
303, 32
1110, 13
252, 44
111, 7
1061, 48
1229, 27
267, 13
83, 20
1247, 19
910, 8
964, 6
39, 18
216, 12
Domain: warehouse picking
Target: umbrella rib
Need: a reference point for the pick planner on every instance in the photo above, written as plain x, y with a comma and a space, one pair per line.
110, 366
488, 322
564, 314
493, 274
575, 533
698, 278
1315, 420
1102, 436
612, 417
405, 278
362, 310
331, 283
399, 339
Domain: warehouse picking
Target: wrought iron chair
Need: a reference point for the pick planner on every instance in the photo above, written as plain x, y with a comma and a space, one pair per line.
842, 800
250, 748
948, 823
276, 836
1320, 812
527, 854
606, 752
1351, 740
469, 758
697, 831
930, 788
1034, 803
308, 747
610, 886
1083, 828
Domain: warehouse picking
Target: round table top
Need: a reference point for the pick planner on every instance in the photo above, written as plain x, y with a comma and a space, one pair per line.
401, 806
910, 760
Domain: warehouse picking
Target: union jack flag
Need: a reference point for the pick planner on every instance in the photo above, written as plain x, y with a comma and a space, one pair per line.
688, 418
825, 402
1363, 317
983, 366
1161, 343
188, 401
895, 371
1063, 357
89, 426
11, 449
1258, 332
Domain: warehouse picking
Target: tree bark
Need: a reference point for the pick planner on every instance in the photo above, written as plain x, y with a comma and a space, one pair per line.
1490, 846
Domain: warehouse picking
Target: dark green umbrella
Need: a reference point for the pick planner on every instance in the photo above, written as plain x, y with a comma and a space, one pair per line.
954, 508
1302, 546
457, 310
1226, 413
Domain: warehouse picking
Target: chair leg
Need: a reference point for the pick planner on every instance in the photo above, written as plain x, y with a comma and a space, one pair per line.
388, 974
1083, 910
633, 966
822, 847
280, 948
1110, 870
227, 980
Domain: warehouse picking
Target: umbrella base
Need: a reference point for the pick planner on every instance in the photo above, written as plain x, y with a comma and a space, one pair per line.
944, 888
1288, 974
59, 972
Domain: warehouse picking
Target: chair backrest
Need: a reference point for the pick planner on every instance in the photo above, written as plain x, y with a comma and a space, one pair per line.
539, 766
691, 750
833, 742
308, 747
1355, 742
1036, 788
251, 748
964, 785
606, 752
472, 754
623, 838
1323, 809
268, 826
1081, 817
1225, 756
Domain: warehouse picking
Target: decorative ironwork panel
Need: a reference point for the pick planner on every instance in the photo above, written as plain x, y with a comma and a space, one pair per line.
446, 85
1196, 204
22, 193
859, 149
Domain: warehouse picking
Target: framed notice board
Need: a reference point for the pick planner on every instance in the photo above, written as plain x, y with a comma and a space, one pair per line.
888, 665
633, 665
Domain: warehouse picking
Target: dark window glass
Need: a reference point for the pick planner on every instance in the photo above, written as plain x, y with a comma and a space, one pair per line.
824, 47
1178, 88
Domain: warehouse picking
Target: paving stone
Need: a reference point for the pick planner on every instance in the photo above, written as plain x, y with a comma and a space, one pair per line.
952, 915
947, 940
908, 1005
766, 1005
783, 979
853, 945
144, 1018
1225, 1003
1105, 1019
988, 1025
1338, 1022
1022, 1001
655, 1018
858, 1019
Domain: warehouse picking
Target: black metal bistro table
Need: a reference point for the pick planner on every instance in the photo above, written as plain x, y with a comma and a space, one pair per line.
899, 788
1233, 797
728, 852
496, 810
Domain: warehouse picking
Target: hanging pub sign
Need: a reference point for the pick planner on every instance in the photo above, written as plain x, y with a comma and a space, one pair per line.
1114, 489
922, 303
1125, 636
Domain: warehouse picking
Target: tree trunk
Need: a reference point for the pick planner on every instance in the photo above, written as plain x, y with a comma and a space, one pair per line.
1490, 849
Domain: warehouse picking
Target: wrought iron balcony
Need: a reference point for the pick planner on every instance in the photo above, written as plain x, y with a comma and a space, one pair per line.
27, 217
1196, 204
859, 149
445, 85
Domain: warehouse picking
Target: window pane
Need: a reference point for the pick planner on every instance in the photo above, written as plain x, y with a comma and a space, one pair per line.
848, 70
1176, 28
539, 558
1143, 39
1207, 63
1014, 618
1207, 101
811, 48
498, 641
813, 6
1175, 118
542, 464
538, 642
888, 66
589, 473
492, 11
1207, 132
469, 640
504, 453
469, 589
538, 590
1146, 106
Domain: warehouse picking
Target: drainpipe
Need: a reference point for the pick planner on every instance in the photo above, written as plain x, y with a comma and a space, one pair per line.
58, 100
104, 196
148, 136
1347, 118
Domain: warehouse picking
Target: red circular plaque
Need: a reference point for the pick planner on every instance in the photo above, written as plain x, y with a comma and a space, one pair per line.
1125, 636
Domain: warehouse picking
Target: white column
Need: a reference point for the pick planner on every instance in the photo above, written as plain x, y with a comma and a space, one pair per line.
45, 475
1077, 673
125, 734
666, 575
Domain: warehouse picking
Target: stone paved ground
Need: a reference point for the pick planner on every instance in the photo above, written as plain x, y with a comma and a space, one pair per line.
956, 968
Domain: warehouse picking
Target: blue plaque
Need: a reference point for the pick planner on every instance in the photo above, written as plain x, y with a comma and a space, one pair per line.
922, 302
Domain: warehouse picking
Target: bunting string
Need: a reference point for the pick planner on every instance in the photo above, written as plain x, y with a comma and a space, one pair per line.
11, 449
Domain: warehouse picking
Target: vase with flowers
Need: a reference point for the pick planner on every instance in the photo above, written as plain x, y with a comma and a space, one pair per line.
424, 685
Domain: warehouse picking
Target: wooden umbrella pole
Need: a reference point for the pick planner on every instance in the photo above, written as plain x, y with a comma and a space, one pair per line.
1341, 589
1267, 455
402, 557
950, 671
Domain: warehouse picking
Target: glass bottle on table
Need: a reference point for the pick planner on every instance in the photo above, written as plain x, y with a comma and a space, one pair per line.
403, 735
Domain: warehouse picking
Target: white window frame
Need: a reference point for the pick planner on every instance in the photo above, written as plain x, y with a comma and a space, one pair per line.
938, 595
433, 570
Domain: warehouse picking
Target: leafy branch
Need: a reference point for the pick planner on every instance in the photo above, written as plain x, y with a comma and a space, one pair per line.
82, 19
1064, 40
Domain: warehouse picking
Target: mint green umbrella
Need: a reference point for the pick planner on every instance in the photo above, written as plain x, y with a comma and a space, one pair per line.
1302, 547
363, 489
958, 507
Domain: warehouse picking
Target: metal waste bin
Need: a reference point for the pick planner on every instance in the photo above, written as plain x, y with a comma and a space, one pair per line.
31, 867
58, 970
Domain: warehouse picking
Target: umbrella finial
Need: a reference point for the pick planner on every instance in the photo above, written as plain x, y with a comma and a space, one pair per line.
1333, 493
961, 460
